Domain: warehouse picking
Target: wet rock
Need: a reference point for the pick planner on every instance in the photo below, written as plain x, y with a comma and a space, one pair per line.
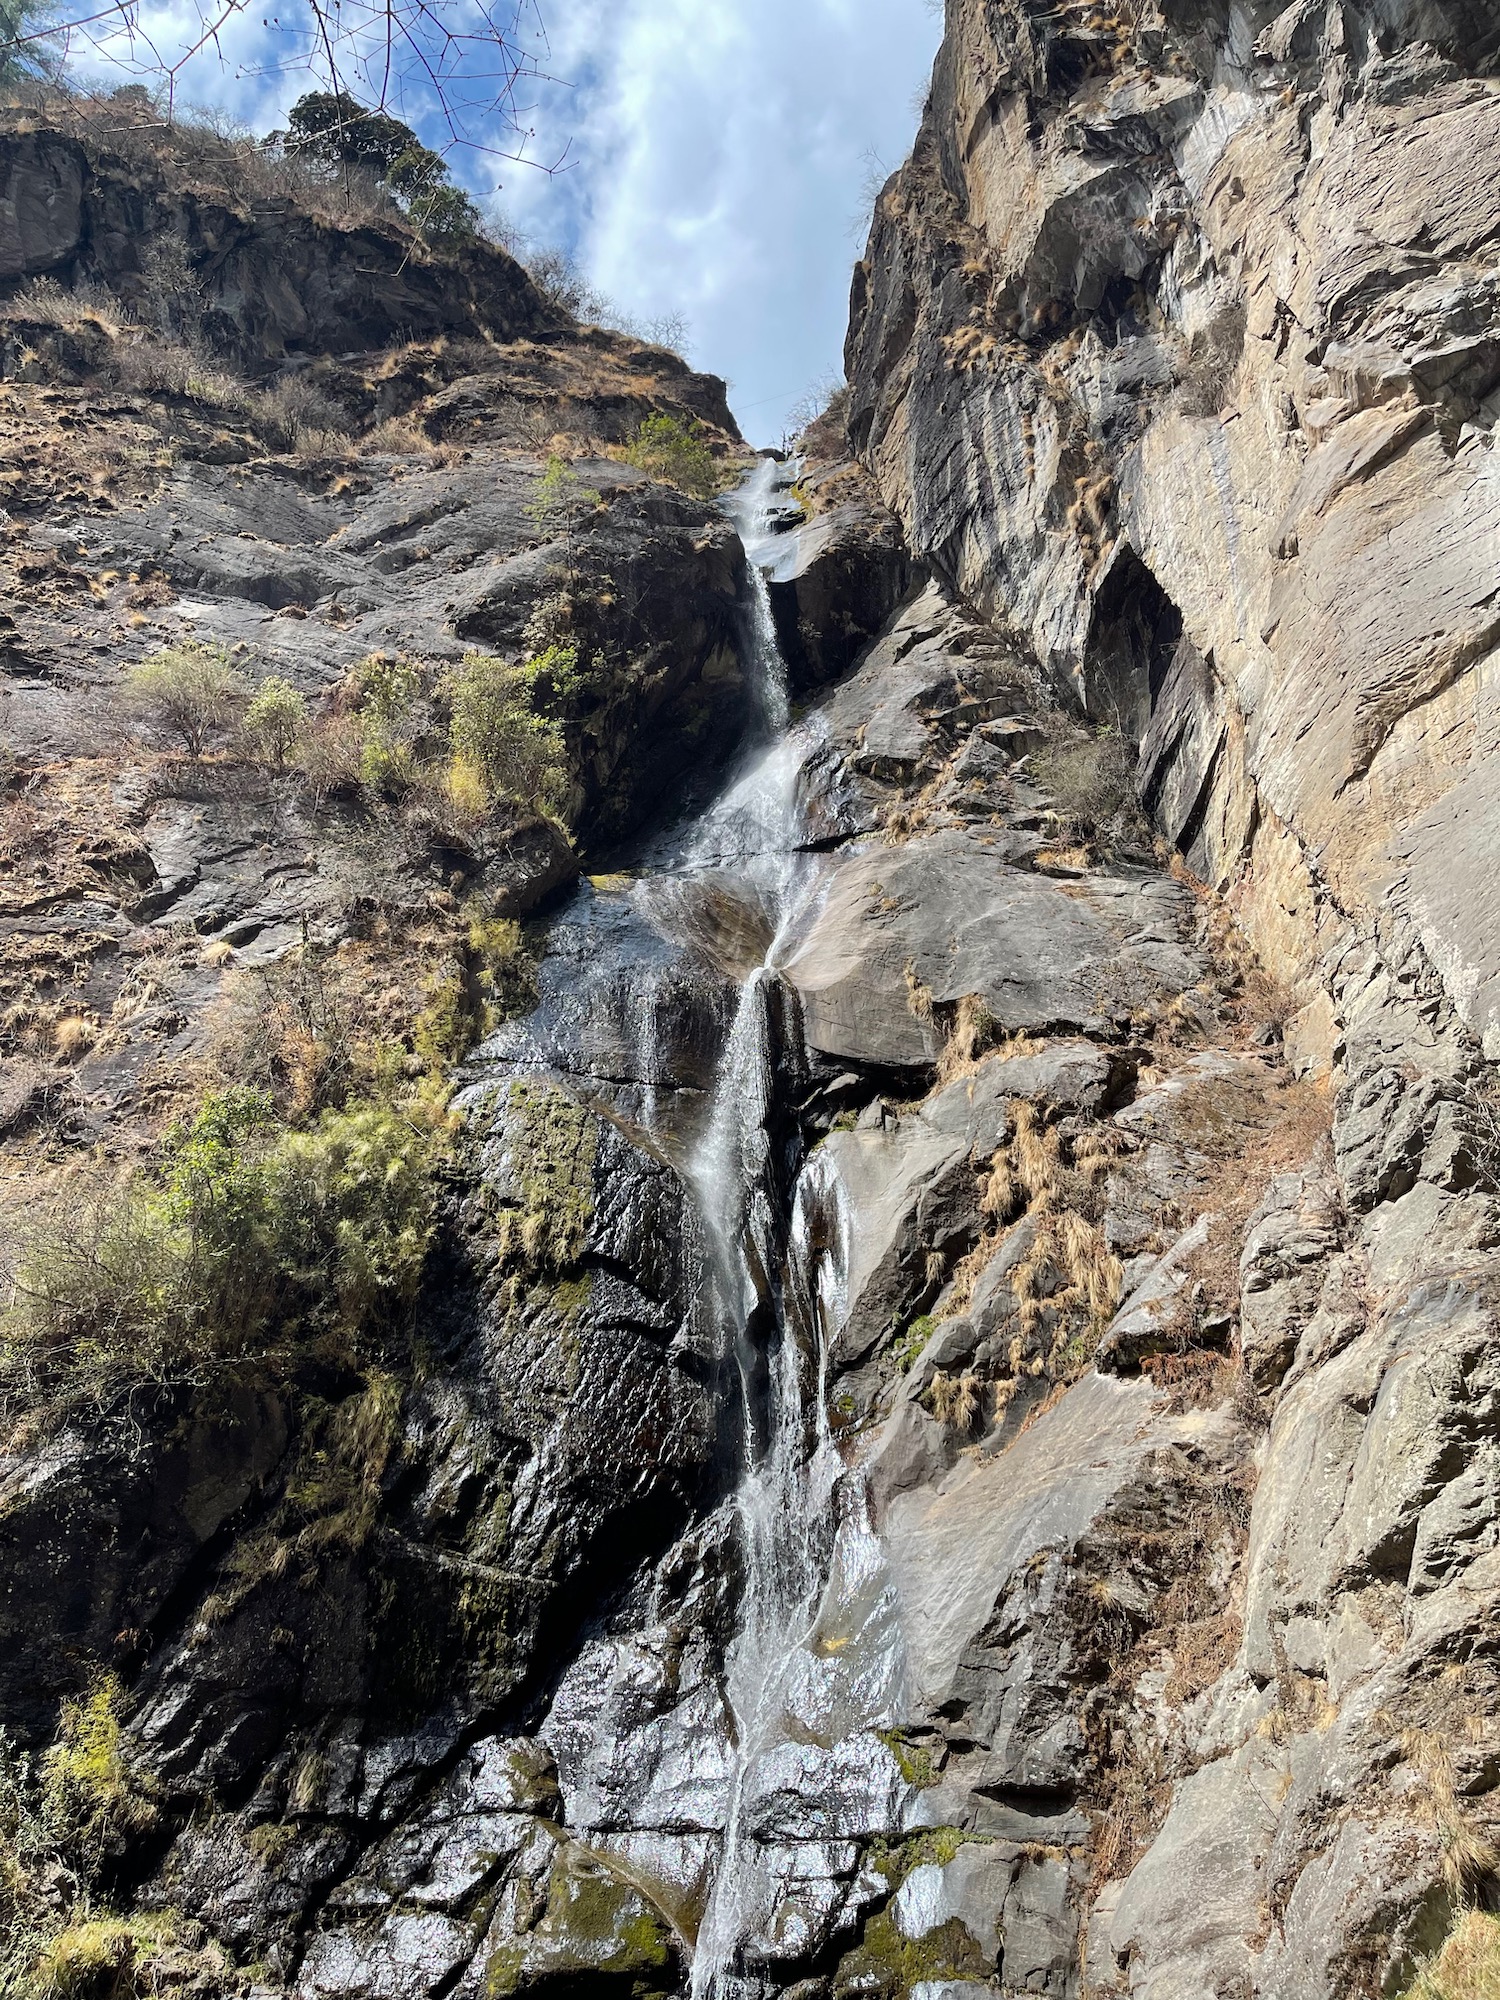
97, 1541
846, 574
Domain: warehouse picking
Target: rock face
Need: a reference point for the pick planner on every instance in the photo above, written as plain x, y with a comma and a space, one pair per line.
953, 1440
1172, 352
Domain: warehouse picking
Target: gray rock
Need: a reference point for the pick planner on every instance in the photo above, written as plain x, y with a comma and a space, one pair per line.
903, 933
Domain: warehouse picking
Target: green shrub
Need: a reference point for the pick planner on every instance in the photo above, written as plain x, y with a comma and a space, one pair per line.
275, 718
187, 691
677, 453
562, 500
91, 1799
494, 981
245, 1240
496, 732
389, 719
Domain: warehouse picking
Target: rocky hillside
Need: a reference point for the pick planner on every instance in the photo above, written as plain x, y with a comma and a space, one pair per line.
753, 1235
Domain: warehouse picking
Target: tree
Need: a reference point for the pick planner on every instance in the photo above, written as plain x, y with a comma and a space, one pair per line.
187, 691
335, 131
471, 64
26, 50
562, 499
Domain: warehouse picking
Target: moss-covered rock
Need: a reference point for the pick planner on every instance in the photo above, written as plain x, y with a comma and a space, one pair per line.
595, 1927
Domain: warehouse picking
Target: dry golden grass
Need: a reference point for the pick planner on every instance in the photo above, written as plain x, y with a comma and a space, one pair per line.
1467, 1967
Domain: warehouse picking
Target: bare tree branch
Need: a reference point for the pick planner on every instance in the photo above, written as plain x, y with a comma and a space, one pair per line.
467, 63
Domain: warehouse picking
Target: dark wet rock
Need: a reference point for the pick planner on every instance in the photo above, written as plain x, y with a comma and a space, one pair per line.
846, 573
98, 1541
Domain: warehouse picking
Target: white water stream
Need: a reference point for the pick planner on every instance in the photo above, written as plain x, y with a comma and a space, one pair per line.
817, 1655
741, 1826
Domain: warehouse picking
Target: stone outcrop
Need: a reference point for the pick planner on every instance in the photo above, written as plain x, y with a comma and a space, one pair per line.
1171, 350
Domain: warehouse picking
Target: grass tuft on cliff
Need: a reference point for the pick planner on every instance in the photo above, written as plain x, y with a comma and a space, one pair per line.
1467, 1967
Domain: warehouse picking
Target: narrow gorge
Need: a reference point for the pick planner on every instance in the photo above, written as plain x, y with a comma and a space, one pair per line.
753, 1202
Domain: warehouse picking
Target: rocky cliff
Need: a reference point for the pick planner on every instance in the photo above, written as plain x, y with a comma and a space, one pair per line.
895, 1394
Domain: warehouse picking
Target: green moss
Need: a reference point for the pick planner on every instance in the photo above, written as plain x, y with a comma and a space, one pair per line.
914, 1759
271, 1842
502, 1974
933, 1846
554, 1143
594, 1925
910, 1344
889, 1963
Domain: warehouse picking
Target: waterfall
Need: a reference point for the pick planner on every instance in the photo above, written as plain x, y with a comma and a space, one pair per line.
810, 1559
815, 1665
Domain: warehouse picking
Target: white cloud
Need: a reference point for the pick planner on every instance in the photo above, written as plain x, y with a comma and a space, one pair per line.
717, 152
720, 150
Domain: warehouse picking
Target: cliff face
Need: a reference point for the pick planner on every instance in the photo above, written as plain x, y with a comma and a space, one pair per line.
1172, 350
1175, 350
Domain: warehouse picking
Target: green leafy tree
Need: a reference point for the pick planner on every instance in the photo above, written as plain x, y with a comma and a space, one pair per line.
335, 131
25, 51
275, 718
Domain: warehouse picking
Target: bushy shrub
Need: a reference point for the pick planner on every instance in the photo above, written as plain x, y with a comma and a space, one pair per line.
492, 980
1092, 782
331, 757
189, 692
497, 733
677, 453
243, 1240
61, 1816
275, 718
391, 690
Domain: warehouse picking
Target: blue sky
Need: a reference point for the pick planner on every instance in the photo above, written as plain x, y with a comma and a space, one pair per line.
718, 155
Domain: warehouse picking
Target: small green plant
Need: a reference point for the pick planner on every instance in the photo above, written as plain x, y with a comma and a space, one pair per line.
562, 500
188, 692
60, 1817
677, 453
391, 689
497, 735
275, 719
91, 1798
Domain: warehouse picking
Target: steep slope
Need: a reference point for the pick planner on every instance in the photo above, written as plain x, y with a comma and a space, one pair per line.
1174, 351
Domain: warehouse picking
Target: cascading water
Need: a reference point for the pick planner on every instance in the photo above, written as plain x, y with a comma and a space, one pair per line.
814, 1574
815, 1663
